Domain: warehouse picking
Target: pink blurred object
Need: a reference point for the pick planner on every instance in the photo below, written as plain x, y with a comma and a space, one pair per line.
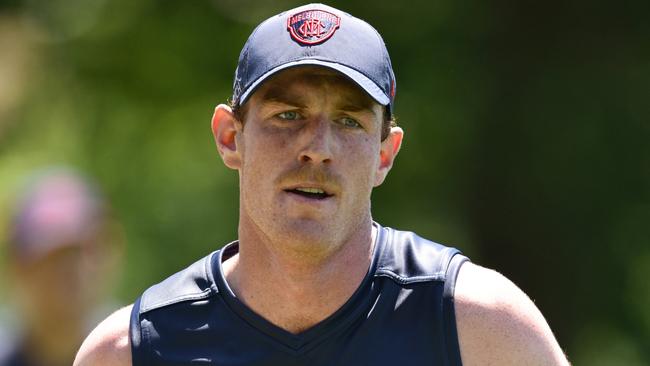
58, 209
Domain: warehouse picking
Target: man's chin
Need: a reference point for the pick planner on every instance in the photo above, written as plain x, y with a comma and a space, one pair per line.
309, 234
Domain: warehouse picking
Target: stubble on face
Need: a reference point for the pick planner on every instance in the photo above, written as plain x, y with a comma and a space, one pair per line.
315, 150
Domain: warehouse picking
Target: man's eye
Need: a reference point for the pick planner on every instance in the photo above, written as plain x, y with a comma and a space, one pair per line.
350, 122
289, 115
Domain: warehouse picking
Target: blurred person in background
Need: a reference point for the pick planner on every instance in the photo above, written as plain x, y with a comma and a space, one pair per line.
61, 245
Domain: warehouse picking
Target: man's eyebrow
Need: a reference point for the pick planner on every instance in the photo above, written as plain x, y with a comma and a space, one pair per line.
279, 95
364, 107
351, 103
356, 102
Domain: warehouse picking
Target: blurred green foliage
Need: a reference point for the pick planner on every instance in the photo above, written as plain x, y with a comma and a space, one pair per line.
527, 137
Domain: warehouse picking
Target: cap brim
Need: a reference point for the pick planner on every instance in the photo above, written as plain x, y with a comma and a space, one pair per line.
363, 81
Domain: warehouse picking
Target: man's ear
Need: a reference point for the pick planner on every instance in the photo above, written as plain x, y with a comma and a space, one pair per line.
225, 128
387, 153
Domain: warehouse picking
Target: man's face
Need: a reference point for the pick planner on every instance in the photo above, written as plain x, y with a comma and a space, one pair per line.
309, 153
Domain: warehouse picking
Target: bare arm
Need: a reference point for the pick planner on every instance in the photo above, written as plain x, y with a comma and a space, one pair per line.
108, 344
498, 324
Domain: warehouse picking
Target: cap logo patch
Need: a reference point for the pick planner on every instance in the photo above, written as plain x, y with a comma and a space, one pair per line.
310, 27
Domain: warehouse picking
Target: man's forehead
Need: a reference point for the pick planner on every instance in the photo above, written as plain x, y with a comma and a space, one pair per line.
289, 85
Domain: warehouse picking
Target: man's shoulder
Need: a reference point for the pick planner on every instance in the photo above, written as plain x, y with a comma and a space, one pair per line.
195, 282
109, 343
407, 257
498, 324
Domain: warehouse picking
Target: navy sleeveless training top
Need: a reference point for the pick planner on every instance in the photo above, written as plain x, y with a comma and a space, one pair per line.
401, 314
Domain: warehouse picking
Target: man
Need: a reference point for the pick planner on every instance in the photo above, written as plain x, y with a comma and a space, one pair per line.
312, 280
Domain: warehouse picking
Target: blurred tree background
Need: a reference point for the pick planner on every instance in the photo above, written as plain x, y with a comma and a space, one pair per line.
527, 137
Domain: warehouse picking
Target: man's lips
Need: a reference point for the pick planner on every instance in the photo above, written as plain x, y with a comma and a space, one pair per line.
308, 191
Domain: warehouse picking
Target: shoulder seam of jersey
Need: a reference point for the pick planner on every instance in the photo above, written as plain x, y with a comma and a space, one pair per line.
196, 296
385, 272
188, 297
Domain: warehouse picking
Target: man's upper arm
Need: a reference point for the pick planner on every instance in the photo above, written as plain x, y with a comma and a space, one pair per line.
108, 343
498, 324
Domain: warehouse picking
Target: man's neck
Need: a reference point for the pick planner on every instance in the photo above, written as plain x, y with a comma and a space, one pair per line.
296, 291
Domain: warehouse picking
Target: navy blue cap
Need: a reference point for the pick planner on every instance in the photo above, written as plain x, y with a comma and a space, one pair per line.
316, 34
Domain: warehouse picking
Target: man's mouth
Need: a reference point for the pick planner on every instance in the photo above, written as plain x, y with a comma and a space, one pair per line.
309, 192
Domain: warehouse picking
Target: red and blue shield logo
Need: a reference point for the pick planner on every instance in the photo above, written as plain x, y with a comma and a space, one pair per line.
311, 27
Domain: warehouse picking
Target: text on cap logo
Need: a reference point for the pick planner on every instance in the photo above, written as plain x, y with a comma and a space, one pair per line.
310, 27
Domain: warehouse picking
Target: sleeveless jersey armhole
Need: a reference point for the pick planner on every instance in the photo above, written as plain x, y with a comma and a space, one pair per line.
135, 334
449, 313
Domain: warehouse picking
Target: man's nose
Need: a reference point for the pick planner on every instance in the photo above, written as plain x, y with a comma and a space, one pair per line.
317, 142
